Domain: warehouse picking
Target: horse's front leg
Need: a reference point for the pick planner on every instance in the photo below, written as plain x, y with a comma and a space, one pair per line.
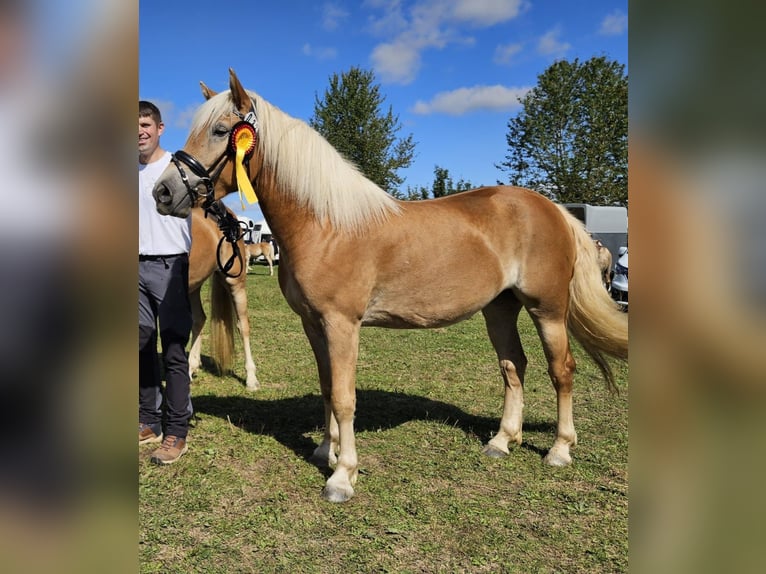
342, 337
325, 454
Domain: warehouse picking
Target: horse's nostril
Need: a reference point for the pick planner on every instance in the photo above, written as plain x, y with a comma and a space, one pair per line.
162, 194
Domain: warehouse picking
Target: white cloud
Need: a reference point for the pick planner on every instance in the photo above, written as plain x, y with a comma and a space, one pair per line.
332, 16
550, 45
391, 23
183, 118
614, 24
318, 52
464, 100
504, 53
408, 31
172, 117
486, 12
397, 63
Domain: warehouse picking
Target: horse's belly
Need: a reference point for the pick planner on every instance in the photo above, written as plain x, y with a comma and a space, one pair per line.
418, 316
411, 321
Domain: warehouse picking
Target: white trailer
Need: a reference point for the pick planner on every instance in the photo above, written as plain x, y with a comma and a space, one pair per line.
609, 223
262, 234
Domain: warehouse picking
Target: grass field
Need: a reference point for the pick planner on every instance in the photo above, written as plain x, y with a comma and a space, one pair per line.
245, 498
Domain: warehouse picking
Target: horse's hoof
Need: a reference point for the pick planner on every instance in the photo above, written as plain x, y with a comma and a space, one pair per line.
493, 451
557, 459
252, 387
337, 494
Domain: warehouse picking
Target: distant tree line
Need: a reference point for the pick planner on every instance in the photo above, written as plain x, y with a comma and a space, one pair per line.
569, 141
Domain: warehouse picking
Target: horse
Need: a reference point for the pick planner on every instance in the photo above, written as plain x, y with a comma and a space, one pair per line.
604, 263
397, 265
256, 249
228, 295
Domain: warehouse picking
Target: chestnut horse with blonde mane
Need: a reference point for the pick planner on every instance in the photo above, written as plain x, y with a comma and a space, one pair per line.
256, 250
396, 264
228, 295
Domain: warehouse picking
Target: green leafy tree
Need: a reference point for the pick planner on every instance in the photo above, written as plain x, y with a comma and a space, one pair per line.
441, 177
442, 185
570, 140
350, 117
415, 193
445, 185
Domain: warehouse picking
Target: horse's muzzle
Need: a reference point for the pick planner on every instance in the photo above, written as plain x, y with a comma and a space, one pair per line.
164, 199
162, 195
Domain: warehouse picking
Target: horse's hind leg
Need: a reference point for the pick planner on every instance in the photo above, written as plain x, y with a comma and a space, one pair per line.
198, 322
239, 297
561, 367
501, 316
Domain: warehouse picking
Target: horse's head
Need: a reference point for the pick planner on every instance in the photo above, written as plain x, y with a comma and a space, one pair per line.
220, 155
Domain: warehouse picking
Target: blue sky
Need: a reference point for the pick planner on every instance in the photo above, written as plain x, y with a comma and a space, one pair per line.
452, 70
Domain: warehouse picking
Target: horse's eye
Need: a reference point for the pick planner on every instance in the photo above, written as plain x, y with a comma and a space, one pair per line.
220, 130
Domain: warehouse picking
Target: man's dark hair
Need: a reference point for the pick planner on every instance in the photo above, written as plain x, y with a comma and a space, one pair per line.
146, 108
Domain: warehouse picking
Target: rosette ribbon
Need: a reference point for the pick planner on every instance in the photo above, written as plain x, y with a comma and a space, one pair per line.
243, 140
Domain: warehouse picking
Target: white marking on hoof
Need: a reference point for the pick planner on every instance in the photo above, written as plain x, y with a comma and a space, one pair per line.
556, 458
333, 493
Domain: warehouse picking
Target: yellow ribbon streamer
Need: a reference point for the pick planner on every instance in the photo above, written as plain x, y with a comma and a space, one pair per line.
244, 141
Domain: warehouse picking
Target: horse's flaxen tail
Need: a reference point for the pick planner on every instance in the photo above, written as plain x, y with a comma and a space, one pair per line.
594, 318
222, 323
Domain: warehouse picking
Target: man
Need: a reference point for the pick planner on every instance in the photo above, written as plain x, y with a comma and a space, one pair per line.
163, 296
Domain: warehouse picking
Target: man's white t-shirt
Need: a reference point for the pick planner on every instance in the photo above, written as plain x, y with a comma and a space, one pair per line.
158, 234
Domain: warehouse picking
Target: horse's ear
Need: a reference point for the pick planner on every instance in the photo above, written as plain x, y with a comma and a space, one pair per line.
238, 94
207, 92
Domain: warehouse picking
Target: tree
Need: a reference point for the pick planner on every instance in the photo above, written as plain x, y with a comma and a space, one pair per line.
442, 185
350, 118
414, 193
445, 185
570, 140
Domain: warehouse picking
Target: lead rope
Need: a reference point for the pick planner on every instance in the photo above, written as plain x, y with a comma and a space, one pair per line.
232, 231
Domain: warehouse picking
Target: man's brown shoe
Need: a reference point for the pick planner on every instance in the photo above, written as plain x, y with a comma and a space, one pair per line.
171, 449
147, 435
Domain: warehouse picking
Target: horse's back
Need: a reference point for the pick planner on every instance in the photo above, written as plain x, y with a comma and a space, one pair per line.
502, 226
442, 260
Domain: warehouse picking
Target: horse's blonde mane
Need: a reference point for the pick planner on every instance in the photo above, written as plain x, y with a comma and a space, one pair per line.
308, 167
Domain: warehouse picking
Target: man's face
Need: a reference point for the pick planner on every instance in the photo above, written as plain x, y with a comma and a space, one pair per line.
148, 135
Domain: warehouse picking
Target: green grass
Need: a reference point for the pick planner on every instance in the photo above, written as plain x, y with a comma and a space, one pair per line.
245, 498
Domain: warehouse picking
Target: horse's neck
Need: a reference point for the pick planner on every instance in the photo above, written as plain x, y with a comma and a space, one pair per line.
290, 222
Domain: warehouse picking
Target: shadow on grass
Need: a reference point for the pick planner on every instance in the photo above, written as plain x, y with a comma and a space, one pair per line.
289, 420
209, 366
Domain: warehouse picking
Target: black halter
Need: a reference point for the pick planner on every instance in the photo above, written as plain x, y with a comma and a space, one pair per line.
227, 223
206, 178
